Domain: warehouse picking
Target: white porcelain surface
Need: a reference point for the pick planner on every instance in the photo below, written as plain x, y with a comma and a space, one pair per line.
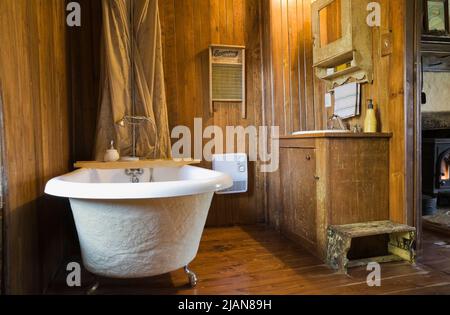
140, 238
139, 230
115, 184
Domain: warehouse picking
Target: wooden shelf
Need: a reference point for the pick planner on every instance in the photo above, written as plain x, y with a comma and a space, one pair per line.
341, 73
336, 60
134, 164
325, 134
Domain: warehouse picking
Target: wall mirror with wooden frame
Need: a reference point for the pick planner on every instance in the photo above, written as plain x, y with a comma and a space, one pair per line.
330, 19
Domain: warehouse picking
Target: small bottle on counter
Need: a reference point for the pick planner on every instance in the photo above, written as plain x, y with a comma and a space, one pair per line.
370, 122
111, 155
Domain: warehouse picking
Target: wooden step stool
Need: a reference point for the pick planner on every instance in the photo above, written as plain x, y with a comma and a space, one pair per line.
399, 246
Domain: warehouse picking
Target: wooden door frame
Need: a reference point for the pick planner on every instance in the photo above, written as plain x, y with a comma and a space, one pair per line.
413, 116
2, 201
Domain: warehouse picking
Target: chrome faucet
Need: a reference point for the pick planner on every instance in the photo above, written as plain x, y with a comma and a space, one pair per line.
136, 173
339, 120
134, 121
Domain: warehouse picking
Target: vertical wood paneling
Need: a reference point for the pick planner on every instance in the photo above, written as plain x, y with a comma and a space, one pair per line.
286, 65
278, 37
283, 103
288, 78
314, 119
33, 81
84, 58
277, 34
188, 28
281, 90
276, 31
302, 82
387, 91
294, 82
396, 113
291, 75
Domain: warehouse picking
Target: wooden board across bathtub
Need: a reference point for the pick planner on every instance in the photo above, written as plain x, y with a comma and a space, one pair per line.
134, 164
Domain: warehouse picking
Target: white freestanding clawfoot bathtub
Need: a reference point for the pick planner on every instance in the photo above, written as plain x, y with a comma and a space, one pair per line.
146, 228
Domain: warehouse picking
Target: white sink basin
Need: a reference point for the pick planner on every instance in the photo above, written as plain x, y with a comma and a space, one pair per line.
299, 133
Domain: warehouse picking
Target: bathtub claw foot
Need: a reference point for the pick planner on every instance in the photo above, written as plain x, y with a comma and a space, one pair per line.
191, 276
93, 289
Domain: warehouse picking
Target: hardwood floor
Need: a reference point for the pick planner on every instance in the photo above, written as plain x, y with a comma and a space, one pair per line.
439, 222
256, 260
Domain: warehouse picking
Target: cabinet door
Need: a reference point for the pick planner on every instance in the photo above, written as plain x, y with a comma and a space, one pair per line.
298, 186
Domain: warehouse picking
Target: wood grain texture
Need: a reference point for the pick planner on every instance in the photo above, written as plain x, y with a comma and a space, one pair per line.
397, 117
84, 57
281, 90
337, 135
33, 81
281, 87
288, 66
188, 28
134, 164
359, 179
332, 181
257, 260
330, 23
387, 90
289, 83
298, 218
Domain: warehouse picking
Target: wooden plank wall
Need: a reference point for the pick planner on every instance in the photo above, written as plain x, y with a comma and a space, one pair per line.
395, 108
294, 98
33, 85
84, 49
290, 83
188, 28
281, 90
293, 95
387, 91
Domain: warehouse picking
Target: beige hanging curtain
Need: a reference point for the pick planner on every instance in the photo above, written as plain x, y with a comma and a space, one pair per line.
132, 80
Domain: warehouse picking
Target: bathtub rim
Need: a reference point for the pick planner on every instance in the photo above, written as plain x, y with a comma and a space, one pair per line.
61, 187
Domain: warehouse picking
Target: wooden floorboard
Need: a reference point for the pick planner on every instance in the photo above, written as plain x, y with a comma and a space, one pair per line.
257, 260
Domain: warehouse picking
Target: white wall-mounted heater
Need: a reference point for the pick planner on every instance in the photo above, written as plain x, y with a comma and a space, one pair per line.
236, 166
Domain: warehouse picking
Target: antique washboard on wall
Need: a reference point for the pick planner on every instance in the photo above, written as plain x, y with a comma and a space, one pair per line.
227, 75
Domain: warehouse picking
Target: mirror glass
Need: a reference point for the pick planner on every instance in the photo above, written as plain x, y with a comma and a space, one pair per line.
330, 23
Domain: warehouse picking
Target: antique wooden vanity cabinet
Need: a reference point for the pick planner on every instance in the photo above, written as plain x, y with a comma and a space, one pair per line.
332, 179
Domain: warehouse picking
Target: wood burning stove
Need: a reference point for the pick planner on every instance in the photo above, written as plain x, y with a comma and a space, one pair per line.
444, 164
436, 166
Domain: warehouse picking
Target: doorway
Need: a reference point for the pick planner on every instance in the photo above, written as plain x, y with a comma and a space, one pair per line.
429, 118
434, 89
